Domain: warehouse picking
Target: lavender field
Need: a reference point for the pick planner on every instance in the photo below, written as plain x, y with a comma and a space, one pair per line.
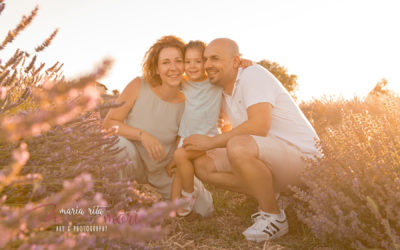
60, 186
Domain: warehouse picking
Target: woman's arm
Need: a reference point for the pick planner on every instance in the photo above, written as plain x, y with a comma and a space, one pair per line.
117, 116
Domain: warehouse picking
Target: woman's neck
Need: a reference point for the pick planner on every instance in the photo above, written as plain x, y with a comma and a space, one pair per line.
167, 93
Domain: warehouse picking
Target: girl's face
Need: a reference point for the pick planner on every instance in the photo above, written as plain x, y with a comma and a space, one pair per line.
194, 65
170, 66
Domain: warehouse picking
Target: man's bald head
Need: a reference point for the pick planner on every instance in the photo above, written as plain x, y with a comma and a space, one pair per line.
222, 61
226, 44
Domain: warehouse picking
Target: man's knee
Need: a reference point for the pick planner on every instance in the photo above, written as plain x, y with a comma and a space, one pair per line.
241, 147
201, 168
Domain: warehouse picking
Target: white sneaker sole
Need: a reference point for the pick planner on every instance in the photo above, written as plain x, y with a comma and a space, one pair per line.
263, 236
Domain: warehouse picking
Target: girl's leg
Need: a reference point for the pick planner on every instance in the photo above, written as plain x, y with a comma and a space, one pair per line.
185, 168
185, 171
176, 192
176, 187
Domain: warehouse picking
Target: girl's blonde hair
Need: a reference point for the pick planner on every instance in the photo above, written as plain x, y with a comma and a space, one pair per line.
150, 60
196, 45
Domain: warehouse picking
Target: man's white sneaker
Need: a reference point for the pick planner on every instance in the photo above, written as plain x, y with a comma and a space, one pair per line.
255, 215
267, 227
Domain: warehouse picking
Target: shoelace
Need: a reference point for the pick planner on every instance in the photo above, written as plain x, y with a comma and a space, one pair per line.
259, 225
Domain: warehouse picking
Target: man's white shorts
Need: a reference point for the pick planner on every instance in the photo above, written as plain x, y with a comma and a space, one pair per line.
285, 160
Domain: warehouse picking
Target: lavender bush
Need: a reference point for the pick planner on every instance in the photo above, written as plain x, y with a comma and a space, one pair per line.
351, 196
55, 155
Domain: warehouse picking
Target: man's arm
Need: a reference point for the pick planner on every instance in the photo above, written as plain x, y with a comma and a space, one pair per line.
258, 123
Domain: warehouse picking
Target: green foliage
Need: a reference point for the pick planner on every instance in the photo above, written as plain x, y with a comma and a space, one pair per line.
380, 88
289, 81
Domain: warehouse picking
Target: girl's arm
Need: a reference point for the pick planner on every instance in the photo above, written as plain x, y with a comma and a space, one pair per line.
244, 63
224, 124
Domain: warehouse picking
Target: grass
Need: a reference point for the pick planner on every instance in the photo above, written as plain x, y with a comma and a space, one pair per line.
223, 229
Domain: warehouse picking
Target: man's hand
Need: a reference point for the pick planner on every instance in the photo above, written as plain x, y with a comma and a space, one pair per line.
198, 142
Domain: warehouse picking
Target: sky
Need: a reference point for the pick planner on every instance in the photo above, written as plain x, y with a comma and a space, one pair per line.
336, 48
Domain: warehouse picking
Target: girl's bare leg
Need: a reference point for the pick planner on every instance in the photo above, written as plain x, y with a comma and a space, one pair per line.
176, 187
185, 167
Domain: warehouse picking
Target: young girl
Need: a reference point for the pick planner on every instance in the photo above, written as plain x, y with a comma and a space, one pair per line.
202, 109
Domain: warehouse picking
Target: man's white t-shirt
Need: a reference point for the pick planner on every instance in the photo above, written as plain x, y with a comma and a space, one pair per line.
254, 85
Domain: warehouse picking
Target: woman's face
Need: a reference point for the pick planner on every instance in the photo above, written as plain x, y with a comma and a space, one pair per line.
170, 66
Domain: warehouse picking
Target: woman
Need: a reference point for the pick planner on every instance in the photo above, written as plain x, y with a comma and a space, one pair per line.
148, 122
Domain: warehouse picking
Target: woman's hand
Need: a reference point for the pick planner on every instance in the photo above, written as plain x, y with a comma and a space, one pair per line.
154, 149
170, 168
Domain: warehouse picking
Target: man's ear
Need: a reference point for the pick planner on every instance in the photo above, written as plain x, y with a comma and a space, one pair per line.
236, 62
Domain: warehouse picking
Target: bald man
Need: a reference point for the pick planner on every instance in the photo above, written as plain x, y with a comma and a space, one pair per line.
270, 136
